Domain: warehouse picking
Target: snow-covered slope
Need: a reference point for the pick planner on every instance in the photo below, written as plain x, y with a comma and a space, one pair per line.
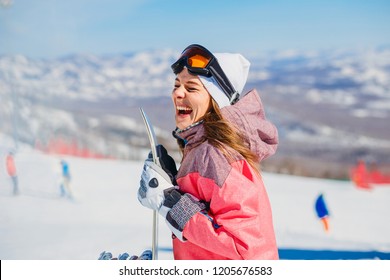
105, 214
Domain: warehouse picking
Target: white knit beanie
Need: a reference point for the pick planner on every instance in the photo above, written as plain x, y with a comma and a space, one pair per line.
236, 68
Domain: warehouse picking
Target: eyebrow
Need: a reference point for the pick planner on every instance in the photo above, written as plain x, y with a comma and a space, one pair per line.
189, 82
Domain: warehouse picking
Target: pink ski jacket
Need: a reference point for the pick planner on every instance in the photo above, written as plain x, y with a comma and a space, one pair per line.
238, 222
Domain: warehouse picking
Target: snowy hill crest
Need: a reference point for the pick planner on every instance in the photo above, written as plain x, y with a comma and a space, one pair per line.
333, 105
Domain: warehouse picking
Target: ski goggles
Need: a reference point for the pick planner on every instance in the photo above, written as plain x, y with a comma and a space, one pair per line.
200, 61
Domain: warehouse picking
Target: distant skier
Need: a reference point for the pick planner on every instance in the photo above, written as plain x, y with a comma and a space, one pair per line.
322, 211
65, 182
11, 170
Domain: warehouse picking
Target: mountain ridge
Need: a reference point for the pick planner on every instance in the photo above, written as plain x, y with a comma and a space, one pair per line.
332, 107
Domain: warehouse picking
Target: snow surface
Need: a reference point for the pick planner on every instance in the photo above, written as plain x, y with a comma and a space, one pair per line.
105, 214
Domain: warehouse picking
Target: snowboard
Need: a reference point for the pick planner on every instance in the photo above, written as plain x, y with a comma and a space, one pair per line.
153, 144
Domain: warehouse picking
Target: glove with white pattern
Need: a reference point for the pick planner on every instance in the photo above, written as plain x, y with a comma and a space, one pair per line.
157, 192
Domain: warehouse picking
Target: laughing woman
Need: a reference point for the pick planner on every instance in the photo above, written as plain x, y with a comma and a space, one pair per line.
216, 204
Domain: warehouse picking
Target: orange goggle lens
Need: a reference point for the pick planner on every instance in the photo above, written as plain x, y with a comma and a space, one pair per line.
197, 57
198, 61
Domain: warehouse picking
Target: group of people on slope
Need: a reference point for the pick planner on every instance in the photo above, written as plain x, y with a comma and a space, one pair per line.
64, 184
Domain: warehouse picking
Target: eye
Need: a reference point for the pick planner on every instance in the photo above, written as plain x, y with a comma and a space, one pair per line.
191, 89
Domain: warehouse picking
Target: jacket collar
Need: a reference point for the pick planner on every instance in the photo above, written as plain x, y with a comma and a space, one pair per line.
191, 134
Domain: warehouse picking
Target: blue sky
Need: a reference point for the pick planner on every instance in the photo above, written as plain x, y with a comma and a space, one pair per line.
52, 28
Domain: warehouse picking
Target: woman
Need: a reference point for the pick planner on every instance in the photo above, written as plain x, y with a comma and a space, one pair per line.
215, 204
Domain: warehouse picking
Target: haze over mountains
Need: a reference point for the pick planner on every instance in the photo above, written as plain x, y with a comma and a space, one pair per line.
331, 107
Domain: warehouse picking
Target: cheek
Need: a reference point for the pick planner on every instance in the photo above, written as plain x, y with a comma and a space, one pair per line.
201, 104
207, 103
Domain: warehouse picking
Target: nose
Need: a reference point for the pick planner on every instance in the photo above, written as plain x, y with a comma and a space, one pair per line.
179, 92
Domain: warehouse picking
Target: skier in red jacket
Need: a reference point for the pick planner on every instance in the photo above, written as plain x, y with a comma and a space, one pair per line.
11, 170
216, 204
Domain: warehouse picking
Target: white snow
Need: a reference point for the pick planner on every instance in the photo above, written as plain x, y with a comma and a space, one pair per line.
106, 214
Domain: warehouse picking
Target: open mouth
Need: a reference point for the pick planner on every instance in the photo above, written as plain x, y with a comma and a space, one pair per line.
184, 110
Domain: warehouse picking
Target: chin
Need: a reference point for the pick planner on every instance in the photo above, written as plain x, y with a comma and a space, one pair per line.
183, 124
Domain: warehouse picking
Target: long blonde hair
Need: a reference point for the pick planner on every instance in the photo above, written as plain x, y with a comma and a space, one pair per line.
224, 136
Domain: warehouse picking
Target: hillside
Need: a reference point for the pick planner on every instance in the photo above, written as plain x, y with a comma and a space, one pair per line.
331, 107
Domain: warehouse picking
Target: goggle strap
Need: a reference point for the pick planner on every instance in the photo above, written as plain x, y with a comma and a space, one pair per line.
234, 98
224, 82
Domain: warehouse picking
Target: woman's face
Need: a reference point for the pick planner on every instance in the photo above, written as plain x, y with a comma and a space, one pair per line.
190, 98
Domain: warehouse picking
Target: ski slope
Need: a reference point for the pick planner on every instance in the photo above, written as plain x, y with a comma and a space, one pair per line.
106, 216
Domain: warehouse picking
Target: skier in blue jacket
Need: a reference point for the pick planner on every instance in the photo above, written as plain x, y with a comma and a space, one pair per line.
65, 182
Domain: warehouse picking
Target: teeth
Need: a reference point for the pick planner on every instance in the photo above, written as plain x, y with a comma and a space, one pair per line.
183, 108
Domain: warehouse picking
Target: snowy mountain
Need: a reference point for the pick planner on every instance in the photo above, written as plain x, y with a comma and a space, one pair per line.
331, 107
88, 77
